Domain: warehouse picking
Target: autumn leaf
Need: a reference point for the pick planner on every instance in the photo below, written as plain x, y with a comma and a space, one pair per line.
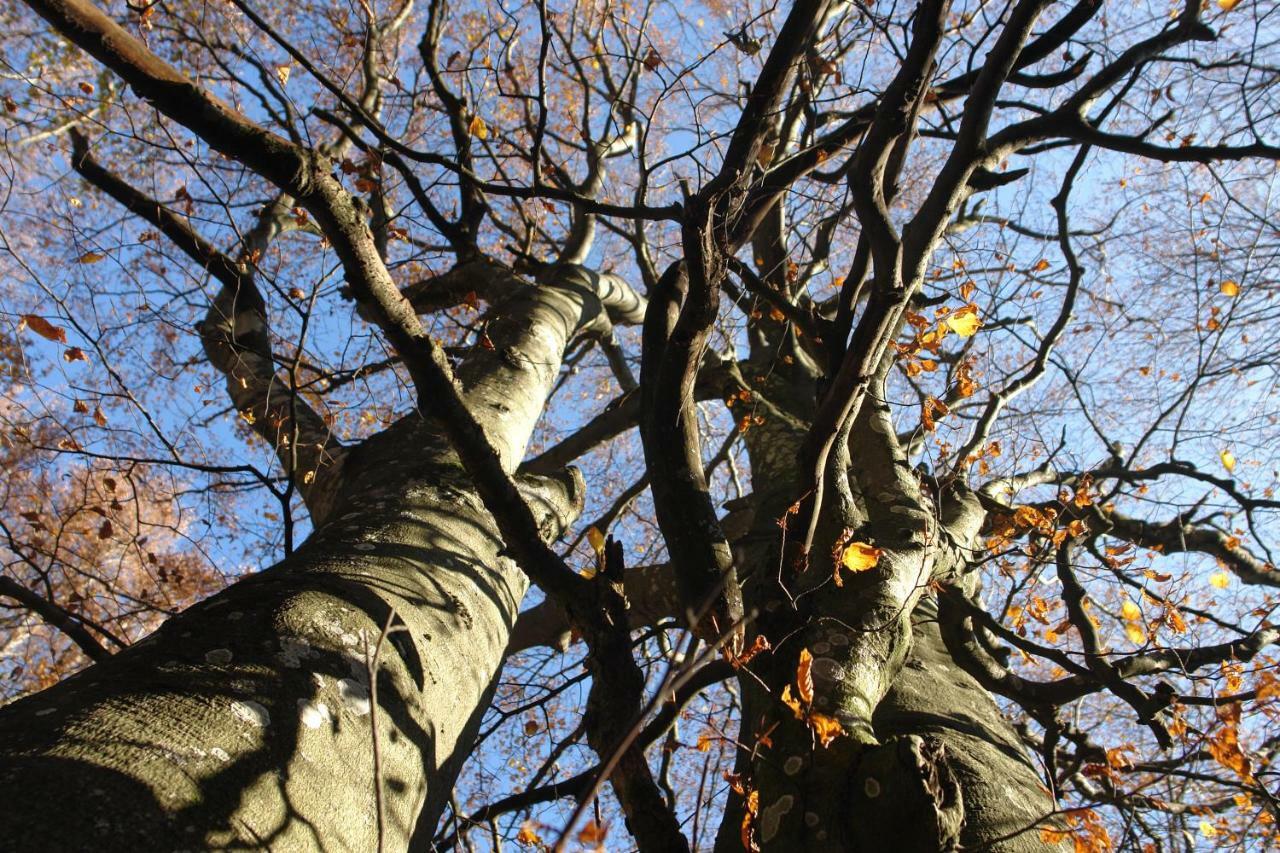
282, 74
804, 677
1130, 611
74, 354
1220, 580
932, 409
1224, 744
825, 728
596, 539
44, 328
90, 258
1229, 288
857, 557
593, 833
759, 645
478, 128
528, 834
704, 743
1228, 5
530, 727
105, 531
1268, 686
652, 60
792, 702
1134, 632
1228, 460
965, 322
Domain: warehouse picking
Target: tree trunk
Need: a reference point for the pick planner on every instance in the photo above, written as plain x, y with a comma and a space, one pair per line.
1005, 801
246, 721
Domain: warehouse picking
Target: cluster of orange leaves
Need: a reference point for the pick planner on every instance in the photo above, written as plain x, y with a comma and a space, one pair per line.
748, 419
1083, 828
920, 355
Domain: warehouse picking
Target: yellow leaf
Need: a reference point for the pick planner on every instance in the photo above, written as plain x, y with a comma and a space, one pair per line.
282, 74
1229, 288
859, 557
596, 539
90, 258
1207, 829
1131, 611
964, 323
44, 328
704, 743
1228, 460
1228, 5
1220, 580
1134, 632
478, 128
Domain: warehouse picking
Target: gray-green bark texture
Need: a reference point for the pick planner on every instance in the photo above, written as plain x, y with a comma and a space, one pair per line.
247, 722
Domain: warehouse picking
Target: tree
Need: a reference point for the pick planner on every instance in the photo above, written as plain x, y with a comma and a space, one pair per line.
934, 472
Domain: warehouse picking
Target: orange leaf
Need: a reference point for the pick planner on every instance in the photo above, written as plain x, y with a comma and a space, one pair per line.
791, 702
528, 834
804, 677
44, 328
593, 833
826, 728
748, 819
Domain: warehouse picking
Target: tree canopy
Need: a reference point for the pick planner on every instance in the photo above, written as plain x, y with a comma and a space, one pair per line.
827, 425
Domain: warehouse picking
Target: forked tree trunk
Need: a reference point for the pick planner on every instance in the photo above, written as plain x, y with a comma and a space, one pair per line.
246, 722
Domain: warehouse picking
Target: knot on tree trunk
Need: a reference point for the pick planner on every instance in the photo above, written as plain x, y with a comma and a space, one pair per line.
906, 798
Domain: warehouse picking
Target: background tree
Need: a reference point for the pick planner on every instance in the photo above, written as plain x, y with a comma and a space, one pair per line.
878, 398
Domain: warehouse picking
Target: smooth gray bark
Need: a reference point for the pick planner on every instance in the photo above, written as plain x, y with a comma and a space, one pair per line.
246, 721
